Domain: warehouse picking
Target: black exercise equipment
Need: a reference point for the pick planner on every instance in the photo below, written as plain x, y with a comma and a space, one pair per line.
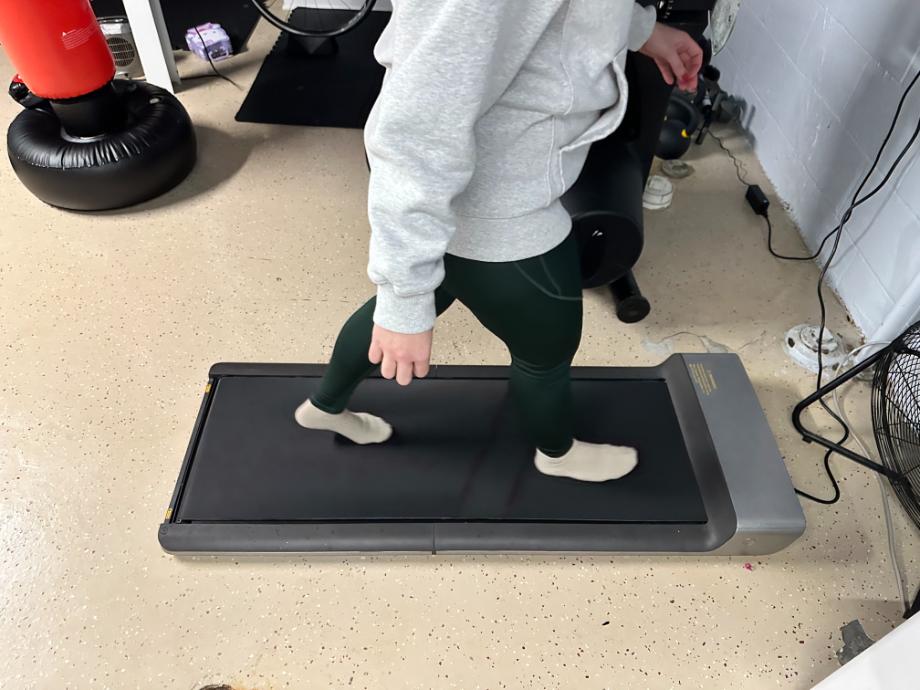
459, 476
318, 82
710, 477
681, 121
606, 208
84, 140
127, 143
606, 200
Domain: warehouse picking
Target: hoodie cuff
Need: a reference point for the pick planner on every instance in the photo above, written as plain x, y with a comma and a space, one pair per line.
412, 314
641, 26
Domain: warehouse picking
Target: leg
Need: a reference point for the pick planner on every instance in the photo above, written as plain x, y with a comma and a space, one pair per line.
538, 315
535, 307
348, 367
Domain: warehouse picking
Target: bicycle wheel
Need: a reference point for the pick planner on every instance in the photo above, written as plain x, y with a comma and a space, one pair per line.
325, 19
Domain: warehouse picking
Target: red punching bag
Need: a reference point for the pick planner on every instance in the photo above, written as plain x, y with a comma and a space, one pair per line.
85, 140
56, 46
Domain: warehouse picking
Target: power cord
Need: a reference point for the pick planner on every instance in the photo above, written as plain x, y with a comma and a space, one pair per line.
217, 73
757, 200
839, 232
883, 488
760, 205
739, 166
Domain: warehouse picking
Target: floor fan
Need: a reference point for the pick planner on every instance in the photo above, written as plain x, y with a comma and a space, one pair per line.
895, 420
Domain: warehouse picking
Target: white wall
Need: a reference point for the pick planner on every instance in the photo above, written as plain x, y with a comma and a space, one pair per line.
822, 79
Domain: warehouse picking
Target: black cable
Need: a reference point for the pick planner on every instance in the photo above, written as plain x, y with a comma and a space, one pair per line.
217, 72
823, 276
766, 217
830, 475
739, 166
837, 233
739, 169
856, 201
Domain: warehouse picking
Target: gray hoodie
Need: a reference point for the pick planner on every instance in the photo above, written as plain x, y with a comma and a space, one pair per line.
484, 120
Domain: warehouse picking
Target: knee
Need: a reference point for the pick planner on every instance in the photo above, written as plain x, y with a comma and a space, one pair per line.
543, 371
553, 353
551, 360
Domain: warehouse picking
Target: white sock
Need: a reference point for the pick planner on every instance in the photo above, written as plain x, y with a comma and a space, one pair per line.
359, 427
590, 462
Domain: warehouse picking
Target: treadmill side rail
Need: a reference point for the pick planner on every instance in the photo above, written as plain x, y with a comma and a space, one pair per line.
769, 516
237, 538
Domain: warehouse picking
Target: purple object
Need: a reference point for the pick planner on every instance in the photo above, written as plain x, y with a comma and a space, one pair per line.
211, 38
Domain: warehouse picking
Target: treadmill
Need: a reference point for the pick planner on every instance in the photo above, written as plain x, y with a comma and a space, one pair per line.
458, 476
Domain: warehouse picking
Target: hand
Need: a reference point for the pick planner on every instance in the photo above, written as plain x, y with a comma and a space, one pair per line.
400, 355
677, 55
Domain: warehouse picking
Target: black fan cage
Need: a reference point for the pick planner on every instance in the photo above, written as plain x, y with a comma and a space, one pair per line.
896, 416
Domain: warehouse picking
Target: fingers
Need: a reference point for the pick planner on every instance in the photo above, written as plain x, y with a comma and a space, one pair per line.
375, 354
696, 54
389, 367
404, 373
421, 369
401, 356
678, 56
678, 69
691, 56
665, 70
403, 370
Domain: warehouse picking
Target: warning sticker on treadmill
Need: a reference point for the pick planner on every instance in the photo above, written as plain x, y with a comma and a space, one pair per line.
703, 377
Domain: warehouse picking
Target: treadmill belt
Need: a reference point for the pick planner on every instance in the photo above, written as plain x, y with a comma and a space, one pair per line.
458, 455
339, 90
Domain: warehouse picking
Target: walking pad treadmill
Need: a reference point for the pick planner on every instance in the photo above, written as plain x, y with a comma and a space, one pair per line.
458, 475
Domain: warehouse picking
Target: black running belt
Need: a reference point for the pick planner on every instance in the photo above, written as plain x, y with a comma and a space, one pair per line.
458, 455
337, 90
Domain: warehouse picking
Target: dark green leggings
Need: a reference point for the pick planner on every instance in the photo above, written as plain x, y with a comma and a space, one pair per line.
533, 305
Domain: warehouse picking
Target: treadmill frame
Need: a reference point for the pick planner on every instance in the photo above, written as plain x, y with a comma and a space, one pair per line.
746, 491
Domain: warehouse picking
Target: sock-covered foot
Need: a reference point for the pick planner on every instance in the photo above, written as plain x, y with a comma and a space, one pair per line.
358, 427
590, 462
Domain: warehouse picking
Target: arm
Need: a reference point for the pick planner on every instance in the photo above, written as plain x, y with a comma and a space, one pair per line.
677, 54
641, 27
452, 60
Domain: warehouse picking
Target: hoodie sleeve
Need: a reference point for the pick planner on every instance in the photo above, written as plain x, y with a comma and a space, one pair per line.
641, 27
451, 61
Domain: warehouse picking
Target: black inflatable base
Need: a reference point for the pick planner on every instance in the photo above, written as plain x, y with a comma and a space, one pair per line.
153, 152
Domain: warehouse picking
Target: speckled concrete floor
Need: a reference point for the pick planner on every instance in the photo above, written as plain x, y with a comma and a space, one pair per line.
109, 325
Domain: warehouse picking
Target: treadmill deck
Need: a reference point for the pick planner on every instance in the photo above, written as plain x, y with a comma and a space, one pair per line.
458, 474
